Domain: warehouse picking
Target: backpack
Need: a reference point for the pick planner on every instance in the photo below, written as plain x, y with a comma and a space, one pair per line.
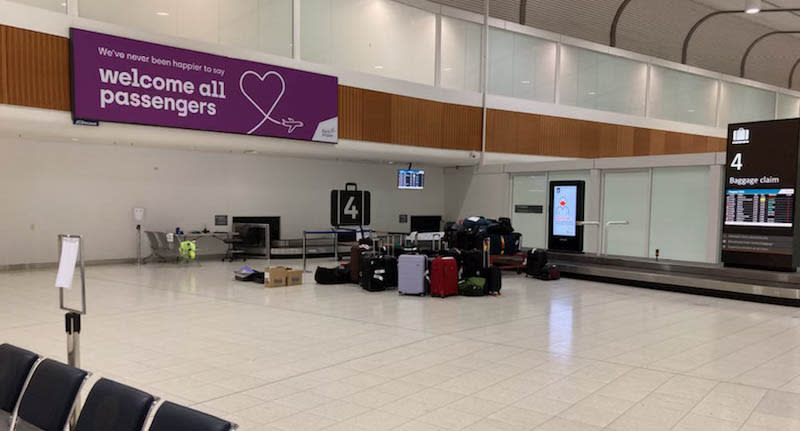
500, 227
473, 286
536, 260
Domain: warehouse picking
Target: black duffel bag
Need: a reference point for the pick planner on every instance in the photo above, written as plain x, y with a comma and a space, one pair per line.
337, 275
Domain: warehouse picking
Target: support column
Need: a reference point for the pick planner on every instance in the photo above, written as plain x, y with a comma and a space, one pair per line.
592, 206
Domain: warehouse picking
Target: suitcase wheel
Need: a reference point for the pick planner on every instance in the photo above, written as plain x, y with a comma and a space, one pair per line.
421, 294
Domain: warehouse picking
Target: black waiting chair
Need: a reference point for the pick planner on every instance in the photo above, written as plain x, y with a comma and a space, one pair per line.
172, 417
49, 397
15, 366
114, 406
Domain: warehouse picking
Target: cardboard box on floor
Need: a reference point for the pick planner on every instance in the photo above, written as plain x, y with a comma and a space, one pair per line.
275, 276
279, 276
294, 277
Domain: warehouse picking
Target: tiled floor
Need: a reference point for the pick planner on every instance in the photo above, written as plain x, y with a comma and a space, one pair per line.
564, 355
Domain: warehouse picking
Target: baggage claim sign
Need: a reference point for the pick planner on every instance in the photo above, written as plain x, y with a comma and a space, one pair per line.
760, 220
129, 81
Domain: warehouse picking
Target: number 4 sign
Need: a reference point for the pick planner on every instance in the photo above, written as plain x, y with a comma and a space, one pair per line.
736, 163
350, 207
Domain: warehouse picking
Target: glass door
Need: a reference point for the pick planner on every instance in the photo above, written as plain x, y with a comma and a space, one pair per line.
529, 196
626, 212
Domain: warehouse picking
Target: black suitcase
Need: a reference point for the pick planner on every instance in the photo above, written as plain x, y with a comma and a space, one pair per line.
535, 261
355, 263
472, 264
494, 280
378, 273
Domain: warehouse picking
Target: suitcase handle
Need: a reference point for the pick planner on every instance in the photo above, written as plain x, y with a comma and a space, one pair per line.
487, 246
347, 186
437, 242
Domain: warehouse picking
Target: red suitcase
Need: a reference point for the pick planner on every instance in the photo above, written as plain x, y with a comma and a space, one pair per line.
444, 277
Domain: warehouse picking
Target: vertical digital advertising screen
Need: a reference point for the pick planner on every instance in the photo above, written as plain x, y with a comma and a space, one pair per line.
760, 189
566, 210
565, 205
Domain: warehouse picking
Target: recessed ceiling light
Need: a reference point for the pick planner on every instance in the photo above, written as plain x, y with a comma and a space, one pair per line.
162, 13
447, 69
378, 67
752, 6
592, 93
251, 152
74, 139
691, 110
526, 82
64, 4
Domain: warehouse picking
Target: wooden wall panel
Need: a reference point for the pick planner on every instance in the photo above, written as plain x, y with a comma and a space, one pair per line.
522, 133
502, 132
609, 143
36, 69
416, 122
589, 144
351, 110
461, 127
625, 142
529, 134
3, 65
717, 144
393, 119
376, 125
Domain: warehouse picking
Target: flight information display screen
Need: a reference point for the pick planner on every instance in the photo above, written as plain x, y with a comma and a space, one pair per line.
759, 207
760, 184
410, 179
565, 204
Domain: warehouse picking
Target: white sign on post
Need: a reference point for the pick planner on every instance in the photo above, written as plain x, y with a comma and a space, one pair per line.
66, 264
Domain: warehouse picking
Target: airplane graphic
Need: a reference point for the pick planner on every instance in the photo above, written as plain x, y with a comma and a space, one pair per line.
291, 124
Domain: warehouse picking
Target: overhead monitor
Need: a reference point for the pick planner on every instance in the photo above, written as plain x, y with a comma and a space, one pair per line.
410, 179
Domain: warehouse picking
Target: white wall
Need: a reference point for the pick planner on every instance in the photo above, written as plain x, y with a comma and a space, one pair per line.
52, 188
470, 192
261, 25
381, 37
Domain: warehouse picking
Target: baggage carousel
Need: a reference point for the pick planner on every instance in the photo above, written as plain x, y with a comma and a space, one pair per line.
697, 278
315, 247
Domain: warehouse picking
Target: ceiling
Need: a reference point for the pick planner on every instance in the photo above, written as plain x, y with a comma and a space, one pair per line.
658, 27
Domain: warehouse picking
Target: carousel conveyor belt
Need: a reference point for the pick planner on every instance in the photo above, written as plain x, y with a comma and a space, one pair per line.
706, 279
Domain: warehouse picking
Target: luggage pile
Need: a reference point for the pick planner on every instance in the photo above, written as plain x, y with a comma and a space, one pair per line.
439, 272
537, 266
470, 233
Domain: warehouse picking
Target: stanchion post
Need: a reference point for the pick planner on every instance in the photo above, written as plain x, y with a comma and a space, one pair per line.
138, 245
304, 251
72, 319
73, 327
336, 246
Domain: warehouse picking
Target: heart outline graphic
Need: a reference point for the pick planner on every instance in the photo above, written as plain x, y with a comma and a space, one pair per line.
289, 123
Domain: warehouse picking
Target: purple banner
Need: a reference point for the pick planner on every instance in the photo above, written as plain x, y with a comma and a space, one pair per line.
128, 81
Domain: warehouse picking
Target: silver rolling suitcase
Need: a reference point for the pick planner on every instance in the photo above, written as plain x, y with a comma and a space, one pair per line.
411, 274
